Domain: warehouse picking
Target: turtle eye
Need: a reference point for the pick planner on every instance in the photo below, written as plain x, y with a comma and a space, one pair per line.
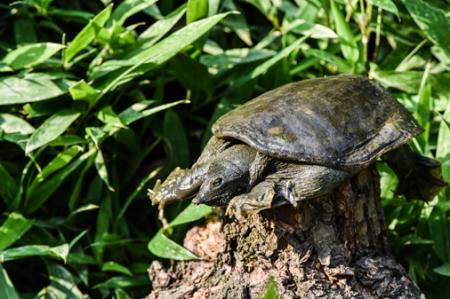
216, 182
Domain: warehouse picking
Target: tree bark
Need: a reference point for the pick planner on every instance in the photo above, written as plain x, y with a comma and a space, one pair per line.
334, 246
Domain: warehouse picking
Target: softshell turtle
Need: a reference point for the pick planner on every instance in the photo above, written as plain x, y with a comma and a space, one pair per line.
301, 141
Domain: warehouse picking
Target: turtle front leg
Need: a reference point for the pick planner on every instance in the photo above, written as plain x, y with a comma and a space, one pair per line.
258, 199
181, 184
290, 184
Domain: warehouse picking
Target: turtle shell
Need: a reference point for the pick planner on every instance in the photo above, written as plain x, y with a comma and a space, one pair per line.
338, 121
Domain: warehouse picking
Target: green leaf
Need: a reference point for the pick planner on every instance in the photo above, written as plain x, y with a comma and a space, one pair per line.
263, 67
116, 267
66, 140
62, 284
348, 41
7, 289
158, 29
443, 270
8, 186
31, 88
102, 170
271, 290
136, 111
87, 34
196, 10
190, 214
176, 139
387, 5
159, 53
163, 247
123, 282
14, 227
12, 124
84, 92
423, 109
109, 117
341, 64
432, 21
233, 57
24, 31
443, 144
58, 252
37, 196
128, 8
61, 160
52, 127
438, 225
238, 23
31, 55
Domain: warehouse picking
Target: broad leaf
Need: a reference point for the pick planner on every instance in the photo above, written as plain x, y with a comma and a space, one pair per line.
31, 88
31, 55
54, 126
13, 229
12, 124
163, 247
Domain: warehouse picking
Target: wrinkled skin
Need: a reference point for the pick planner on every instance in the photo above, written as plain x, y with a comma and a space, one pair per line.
212, 180
301, 141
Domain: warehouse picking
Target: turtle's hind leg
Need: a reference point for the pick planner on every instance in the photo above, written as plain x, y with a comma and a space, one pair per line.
419, 177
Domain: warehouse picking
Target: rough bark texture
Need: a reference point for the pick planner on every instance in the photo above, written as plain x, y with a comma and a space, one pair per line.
330, 247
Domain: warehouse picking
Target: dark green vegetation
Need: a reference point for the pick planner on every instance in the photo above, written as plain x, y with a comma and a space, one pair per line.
97, 100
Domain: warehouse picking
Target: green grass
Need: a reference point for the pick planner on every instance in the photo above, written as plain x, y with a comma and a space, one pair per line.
98, 100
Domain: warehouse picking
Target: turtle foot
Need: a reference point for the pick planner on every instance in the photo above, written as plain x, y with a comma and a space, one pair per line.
250, 203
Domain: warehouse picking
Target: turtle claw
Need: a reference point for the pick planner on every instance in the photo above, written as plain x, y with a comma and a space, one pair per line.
245, 204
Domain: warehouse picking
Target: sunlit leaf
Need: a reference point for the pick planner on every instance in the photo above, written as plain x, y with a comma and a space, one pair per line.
162, 51
57, 252
387, 5
54, 126
87, 34
12, 124
14, 227
128, 8
348, 42
163, 247
31, 55
31, 88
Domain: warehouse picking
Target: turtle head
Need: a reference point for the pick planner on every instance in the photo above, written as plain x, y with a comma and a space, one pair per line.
181, 184
227, 176
224, 180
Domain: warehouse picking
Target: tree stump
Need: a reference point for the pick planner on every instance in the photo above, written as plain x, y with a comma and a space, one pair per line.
334, 246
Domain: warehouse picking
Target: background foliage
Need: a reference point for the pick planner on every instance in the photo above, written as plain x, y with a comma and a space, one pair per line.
98, 98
